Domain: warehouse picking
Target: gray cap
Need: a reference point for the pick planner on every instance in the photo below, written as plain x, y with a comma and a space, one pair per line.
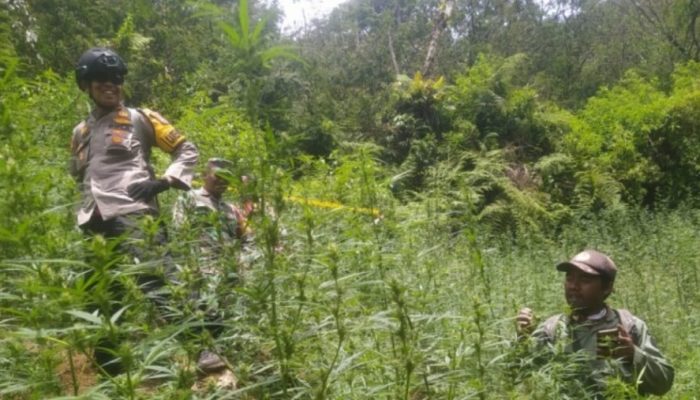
220, 165
591, 262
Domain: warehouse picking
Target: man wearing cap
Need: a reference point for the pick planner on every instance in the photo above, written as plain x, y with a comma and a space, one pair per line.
615, 342
217, 225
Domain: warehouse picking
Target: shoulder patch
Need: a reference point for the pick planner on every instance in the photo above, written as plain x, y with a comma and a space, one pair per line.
167, 137
80, 138
83, 128
156, 115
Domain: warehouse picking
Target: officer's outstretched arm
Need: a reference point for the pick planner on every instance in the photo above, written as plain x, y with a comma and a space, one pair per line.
181, 169
183, 153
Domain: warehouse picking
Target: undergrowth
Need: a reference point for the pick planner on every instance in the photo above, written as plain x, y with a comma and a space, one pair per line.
345, 293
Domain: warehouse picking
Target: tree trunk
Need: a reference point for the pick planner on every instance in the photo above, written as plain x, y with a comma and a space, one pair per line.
393, 54
443, 16
395, 21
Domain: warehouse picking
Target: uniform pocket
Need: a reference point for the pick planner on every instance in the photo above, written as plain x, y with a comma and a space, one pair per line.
119, 141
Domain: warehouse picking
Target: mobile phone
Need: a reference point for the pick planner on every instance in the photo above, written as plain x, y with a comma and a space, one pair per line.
607, 333
607, 341
607, 336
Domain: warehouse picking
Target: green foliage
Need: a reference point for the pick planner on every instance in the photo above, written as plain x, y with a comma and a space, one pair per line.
38, 196
632, 142
675, 143
6, 47
401, 221
352, 177
214, 127
622, 118
448, 136
353, 305
492, 96
246, 68
416, 114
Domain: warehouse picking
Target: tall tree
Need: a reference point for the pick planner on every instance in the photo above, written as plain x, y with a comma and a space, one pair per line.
676, 21
441, 20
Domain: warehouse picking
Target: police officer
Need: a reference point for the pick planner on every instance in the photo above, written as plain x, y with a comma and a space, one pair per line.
111, 150
598, 332
110, 160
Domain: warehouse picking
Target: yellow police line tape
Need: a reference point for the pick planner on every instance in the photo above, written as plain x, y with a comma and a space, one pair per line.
334, 205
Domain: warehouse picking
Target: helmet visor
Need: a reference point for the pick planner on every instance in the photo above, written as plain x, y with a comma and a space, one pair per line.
107, 76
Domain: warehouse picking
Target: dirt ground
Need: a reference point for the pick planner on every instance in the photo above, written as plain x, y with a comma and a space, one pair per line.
86, 376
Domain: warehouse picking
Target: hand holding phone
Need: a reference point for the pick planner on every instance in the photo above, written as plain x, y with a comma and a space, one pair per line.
607, 341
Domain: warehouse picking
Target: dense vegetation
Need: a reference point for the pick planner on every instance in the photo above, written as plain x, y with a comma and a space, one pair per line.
429, 162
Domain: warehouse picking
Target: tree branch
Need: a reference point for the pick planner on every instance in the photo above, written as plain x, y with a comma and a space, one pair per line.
692, 30
655, 21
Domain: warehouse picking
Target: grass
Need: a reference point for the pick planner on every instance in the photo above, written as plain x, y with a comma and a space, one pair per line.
355, 308
415, 303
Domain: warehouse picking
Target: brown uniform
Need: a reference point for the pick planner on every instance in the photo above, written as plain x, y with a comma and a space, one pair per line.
112, 151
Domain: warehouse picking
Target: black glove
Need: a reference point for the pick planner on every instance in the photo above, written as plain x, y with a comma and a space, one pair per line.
146, 190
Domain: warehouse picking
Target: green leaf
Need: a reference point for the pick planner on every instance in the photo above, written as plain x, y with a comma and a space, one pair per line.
118, 314
233, 37
92, 318
244, 21
257, 31
286, 52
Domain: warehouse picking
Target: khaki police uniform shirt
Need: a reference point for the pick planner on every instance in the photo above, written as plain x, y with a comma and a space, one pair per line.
112, 151
648, 365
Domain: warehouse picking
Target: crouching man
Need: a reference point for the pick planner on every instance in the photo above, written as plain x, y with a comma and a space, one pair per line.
614, 342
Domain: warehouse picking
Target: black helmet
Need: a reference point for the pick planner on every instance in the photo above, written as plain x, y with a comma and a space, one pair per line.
100, 63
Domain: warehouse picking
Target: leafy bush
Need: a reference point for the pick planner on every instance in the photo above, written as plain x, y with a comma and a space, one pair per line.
635, 143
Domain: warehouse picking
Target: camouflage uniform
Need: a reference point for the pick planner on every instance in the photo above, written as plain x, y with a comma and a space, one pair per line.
648, 366
216, 224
